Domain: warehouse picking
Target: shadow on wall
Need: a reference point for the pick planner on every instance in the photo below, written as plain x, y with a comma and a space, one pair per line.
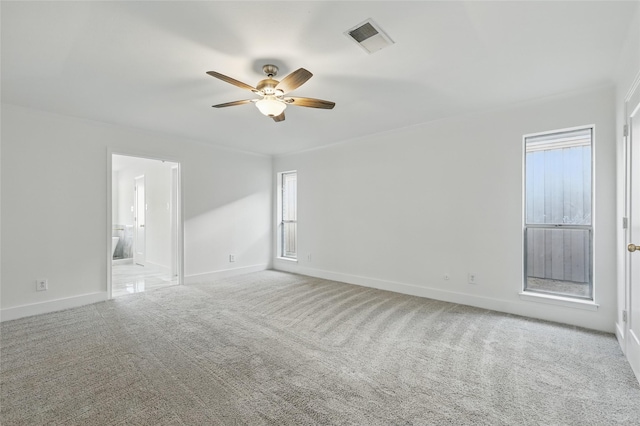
239, 227
124, 247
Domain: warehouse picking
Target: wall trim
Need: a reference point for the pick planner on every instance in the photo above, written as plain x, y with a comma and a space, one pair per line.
471, 114
163, 268
588, 305
620, 337
17, 312
634, 86
224, 273
137, 130
518, 307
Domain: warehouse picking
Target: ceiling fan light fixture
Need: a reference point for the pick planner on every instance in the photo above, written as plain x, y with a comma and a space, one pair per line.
270, 106
272, 92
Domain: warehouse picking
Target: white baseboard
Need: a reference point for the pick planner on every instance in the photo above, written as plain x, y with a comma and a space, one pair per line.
560, 314
9, 314
224, 273
162, 268
620, 337
396, 287
128, 260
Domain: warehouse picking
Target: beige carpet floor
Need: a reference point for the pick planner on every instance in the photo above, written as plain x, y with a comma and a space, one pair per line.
273, 348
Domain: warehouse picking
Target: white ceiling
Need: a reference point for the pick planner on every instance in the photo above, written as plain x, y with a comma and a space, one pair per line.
143, 64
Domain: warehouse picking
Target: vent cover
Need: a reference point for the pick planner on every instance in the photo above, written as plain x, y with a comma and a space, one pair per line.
369, 36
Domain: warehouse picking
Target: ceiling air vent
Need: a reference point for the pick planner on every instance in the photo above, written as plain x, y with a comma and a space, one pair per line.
369, 36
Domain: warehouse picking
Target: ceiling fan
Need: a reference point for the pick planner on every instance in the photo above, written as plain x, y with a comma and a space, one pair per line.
272, 101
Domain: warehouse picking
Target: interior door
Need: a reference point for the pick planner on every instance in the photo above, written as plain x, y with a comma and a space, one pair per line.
632, 331
140, 212
174, 221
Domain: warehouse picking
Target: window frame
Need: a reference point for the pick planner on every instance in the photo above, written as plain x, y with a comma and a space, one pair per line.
281, 246
590, 227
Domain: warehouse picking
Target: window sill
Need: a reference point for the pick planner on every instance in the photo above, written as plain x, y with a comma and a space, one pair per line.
568, 302
287, 259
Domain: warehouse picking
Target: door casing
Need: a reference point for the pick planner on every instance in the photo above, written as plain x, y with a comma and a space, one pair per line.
139, 220
179, 206
630, 340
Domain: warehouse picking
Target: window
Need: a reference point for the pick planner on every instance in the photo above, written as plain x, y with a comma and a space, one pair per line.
288, 213
558, 232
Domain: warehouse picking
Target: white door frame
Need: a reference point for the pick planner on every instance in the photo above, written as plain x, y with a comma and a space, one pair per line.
139, 212
630, 339
179, 212
174, 214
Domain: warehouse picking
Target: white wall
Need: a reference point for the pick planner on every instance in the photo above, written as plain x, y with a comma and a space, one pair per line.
55, 171
628, 71
398, 210
124, 214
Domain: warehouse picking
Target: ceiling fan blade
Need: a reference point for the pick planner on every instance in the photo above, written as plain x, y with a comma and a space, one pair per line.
232, 81
310, 102
294, 80
279, 117
234, 103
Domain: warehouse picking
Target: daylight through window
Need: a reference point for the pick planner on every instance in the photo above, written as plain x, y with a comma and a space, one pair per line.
289, 214
558, 230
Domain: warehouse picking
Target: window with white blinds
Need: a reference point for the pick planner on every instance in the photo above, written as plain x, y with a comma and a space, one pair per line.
289, 214
558, 230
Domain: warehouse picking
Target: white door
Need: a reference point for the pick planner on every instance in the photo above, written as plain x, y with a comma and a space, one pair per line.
632, 331
174, 221
140, 211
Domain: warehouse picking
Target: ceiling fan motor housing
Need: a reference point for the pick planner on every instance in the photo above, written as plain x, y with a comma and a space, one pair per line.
270, 70
268, 86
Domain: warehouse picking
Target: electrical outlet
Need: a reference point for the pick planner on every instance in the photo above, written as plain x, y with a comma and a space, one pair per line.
446, 277
232, 258
42, 285
473, 278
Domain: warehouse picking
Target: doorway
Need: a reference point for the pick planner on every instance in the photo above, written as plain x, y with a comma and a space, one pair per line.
145, 223
631, 311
